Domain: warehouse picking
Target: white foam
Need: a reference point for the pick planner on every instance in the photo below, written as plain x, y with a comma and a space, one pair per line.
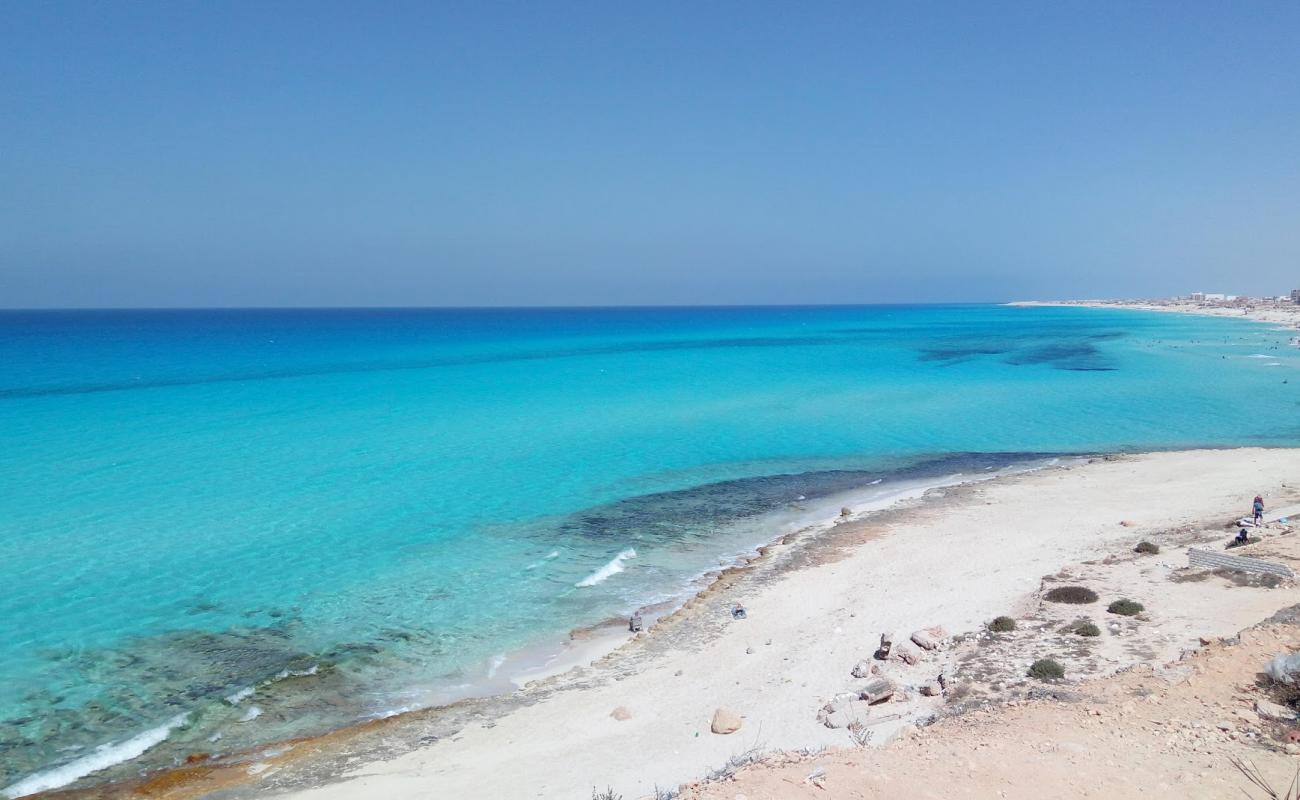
876, 481
295, 673
549, 556
608, 571
240, 696
497, 661
251, 714
103, 757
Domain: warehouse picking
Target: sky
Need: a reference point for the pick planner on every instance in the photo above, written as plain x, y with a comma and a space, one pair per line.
441, 154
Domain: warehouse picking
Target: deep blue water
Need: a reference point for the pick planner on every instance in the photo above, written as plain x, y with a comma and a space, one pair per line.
194, 502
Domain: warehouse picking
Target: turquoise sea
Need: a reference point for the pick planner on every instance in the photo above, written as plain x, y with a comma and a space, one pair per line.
219, 528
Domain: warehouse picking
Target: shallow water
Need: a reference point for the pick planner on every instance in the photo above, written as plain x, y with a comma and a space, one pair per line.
350, 512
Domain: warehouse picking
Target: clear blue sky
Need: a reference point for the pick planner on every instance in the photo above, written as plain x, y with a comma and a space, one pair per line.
185, 153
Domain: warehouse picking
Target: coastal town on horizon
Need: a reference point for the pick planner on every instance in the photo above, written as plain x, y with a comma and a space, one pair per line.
1282, 309
1206, 300
1221, 300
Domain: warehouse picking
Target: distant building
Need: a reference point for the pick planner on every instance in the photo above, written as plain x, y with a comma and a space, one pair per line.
1295, 295
1215, 298
1197, 297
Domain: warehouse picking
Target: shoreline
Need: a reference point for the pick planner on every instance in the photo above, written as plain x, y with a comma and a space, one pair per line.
547, 663
1285, 316
457, 747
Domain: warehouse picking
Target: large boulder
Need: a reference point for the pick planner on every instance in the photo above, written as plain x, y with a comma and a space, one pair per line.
725, 721
1284, 668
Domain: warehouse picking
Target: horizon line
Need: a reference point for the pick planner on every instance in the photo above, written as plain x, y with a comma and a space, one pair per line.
556, 307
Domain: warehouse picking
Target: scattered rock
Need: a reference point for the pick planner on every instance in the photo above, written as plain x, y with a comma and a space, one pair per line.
907, 653
843, 712
196, 758
621, 714
1274, 711
931, 689
749, 651
877, 690
725, 722
817, 777
738, 612
846, 512
863, 669
886, 644
1127, 523
924, 640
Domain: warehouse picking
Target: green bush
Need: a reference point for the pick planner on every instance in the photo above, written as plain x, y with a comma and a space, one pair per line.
1045, 669
1077, 595
1002, 625
1085, 628
1126, 608
1147, 547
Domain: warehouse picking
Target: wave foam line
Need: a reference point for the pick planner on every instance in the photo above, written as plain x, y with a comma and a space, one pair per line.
549, 556
608, 571
103, 757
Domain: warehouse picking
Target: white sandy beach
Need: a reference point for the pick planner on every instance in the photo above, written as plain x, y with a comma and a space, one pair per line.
954, 558
1287, 316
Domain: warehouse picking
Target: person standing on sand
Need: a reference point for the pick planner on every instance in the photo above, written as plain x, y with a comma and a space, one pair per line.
1258, 508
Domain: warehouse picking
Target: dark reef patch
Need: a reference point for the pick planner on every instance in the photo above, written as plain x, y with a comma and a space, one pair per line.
1072, 354
695, 512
